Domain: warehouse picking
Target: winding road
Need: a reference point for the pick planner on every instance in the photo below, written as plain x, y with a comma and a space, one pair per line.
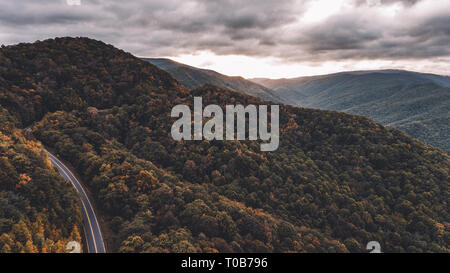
92, 230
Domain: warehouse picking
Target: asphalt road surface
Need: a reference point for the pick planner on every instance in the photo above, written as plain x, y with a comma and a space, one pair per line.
92, 230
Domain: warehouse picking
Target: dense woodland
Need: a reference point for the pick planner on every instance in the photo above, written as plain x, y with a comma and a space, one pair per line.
192, 77
415, 103
336, 182
38, 210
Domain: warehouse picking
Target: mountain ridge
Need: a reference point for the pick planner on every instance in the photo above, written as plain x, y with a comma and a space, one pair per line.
417, 97
443, 79
193, 77
322, 92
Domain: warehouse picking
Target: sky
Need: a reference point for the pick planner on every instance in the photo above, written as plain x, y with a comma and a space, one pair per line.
250, 38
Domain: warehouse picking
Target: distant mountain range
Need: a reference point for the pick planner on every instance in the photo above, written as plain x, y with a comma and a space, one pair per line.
192, 77
415, 103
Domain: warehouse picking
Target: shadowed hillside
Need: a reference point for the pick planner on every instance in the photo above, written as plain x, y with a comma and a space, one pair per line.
415, 103
192, 77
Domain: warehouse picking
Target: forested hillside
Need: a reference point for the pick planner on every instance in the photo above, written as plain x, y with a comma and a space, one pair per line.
193, 77
38, 210
415, 103
336, 182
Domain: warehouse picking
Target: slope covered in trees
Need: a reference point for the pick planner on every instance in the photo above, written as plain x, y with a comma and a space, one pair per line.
415, 103
38, 210
336, 182
193, 77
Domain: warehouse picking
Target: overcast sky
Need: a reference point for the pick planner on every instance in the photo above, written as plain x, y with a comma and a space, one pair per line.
251, 38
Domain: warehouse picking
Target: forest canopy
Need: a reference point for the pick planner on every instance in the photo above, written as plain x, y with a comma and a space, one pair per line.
38, 210
336, 182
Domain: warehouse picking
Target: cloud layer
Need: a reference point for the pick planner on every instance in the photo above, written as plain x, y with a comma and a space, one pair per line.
291, 31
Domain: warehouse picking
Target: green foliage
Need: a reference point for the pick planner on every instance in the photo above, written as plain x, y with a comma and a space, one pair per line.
192, 77
413, 102
38, 210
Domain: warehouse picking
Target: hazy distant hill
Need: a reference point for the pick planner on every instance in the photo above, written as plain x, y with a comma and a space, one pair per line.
192, 77
416, 103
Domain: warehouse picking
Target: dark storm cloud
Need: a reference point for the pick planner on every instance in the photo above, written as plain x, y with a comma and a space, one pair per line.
420, 33
258, 28
29, 13
340, 33
386, 2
